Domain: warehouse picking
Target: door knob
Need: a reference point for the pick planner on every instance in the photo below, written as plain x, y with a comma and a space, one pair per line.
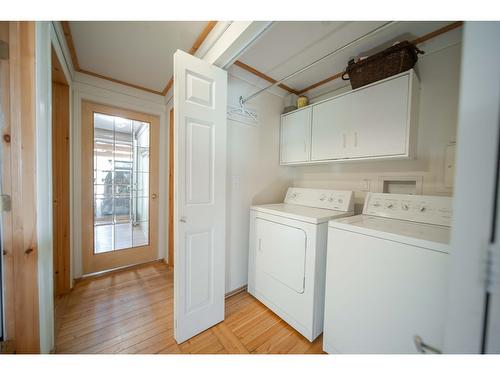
153, 196
183, 219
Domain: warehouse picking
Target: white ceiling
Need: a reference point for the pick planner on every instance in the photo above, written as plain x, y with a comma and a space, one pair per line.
141, 52
135, 52
289, 46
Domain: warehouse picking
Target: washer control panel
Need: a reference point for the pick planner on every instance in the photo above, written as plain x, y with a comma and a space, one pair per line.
339, 200
418, 208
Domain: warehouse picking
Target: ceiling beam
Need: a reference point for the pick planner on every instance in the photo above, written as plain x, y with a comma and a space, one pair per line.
419, 40
196, 45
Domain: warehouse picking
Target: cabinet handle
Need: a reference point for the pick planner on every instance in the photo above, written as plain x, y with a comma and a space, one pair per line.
355, 139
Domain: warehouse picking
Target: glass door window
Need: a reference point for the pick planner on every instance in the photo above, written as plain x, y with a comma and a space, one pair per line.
121, 183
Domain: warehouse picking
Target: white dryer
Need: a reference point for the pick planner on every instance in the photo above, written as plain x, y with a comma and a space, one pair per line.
287, 254
386, 276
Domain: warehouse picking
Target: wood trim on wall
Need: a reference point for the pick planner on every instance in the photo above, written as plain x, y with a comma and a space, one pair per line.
119, 81
254, 71
168, 86
196, 45
19, 143
438, 32
71, 46
201, 38
7, 246
74, 58
60, 183
416, 41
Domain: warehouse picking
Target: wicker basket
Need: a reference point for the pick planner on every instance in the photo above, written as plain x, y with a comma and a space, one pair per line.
391, 61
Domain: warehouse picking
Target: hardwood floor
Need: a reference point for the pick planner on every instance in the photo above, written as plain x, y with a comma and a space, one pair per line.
131, 311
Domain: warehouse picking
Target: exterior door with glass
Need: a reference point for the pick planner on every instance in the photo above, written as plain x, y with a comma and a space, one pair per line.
119, 179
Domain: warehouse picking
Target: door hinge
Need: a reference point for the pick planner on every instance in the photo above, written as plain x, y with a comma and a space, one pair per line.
5, 203
492, 267
4, 50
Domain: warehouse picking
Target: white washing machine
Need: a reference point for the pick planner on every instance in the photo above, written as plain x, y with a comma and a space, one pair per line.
386, 276
287, 254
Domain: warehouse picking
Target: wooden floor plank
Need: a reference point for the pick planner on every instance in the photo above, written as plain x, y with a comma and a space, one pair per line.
131, 311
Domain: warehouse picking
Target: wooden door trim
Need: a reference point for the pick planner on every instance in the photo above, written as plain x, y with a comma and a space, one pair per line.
19, 179
171, 189
94, 263
60, 182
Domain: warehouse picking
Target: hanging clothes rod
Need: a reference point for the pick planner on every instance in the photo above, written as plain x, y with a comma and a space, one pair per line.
350, 44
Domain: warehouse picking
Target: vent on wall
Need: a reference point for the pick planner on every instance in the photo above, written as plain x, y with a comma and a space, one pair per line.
401, 184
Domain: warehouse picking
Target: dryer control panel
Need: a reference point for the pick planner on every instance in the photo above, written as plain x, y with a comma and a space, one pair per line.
340, 200
419, 208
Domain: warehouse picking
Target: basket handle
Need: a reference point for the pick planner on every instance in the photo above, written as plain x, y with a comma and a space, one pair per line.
344, 76
418, 50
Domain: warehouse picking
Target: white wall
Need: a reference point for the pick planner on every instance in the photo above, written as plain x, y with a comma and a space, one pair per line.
43, 120
439, 73
254, 173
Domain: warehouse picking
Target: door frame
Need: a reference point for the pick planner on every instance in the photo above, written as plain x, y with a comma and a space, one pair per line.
61, 177
19, 232
473, 232
171, 197
92, 263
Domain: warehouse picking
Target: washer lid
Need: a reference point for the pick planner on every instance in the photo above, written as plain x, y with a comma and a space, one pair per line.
429, 236
303, 213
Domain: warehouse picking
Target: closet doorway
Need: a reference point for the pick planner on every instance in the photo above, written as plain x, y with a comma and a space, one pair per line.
119, 177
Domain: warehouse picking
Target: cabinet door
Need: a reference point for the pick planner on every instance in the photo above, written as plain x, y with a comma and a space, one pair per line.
380, 119
330, 126
296, 136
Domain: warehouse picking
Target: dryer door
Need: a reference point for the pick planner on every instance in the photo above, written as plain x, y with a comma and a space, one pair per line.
281, 253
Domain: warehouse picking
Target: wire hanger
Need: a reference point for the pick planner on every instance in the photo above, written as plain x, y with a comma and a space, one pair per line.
241, 113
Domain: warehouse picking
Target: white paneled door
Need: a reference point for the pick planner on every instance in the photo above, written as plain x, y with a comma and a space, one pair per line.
200, 149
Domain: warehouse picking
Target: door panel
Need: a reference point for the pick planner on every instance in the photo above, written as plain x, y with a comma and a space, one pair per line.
120, 172
296, 136
200, 194
331, 123
277, 243
199, 162
380, 119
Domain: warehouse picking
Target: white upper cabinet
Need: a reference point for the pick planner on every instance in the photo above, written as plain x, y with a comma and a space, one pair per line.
380, 119
296, 137
373, 122
331, 126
